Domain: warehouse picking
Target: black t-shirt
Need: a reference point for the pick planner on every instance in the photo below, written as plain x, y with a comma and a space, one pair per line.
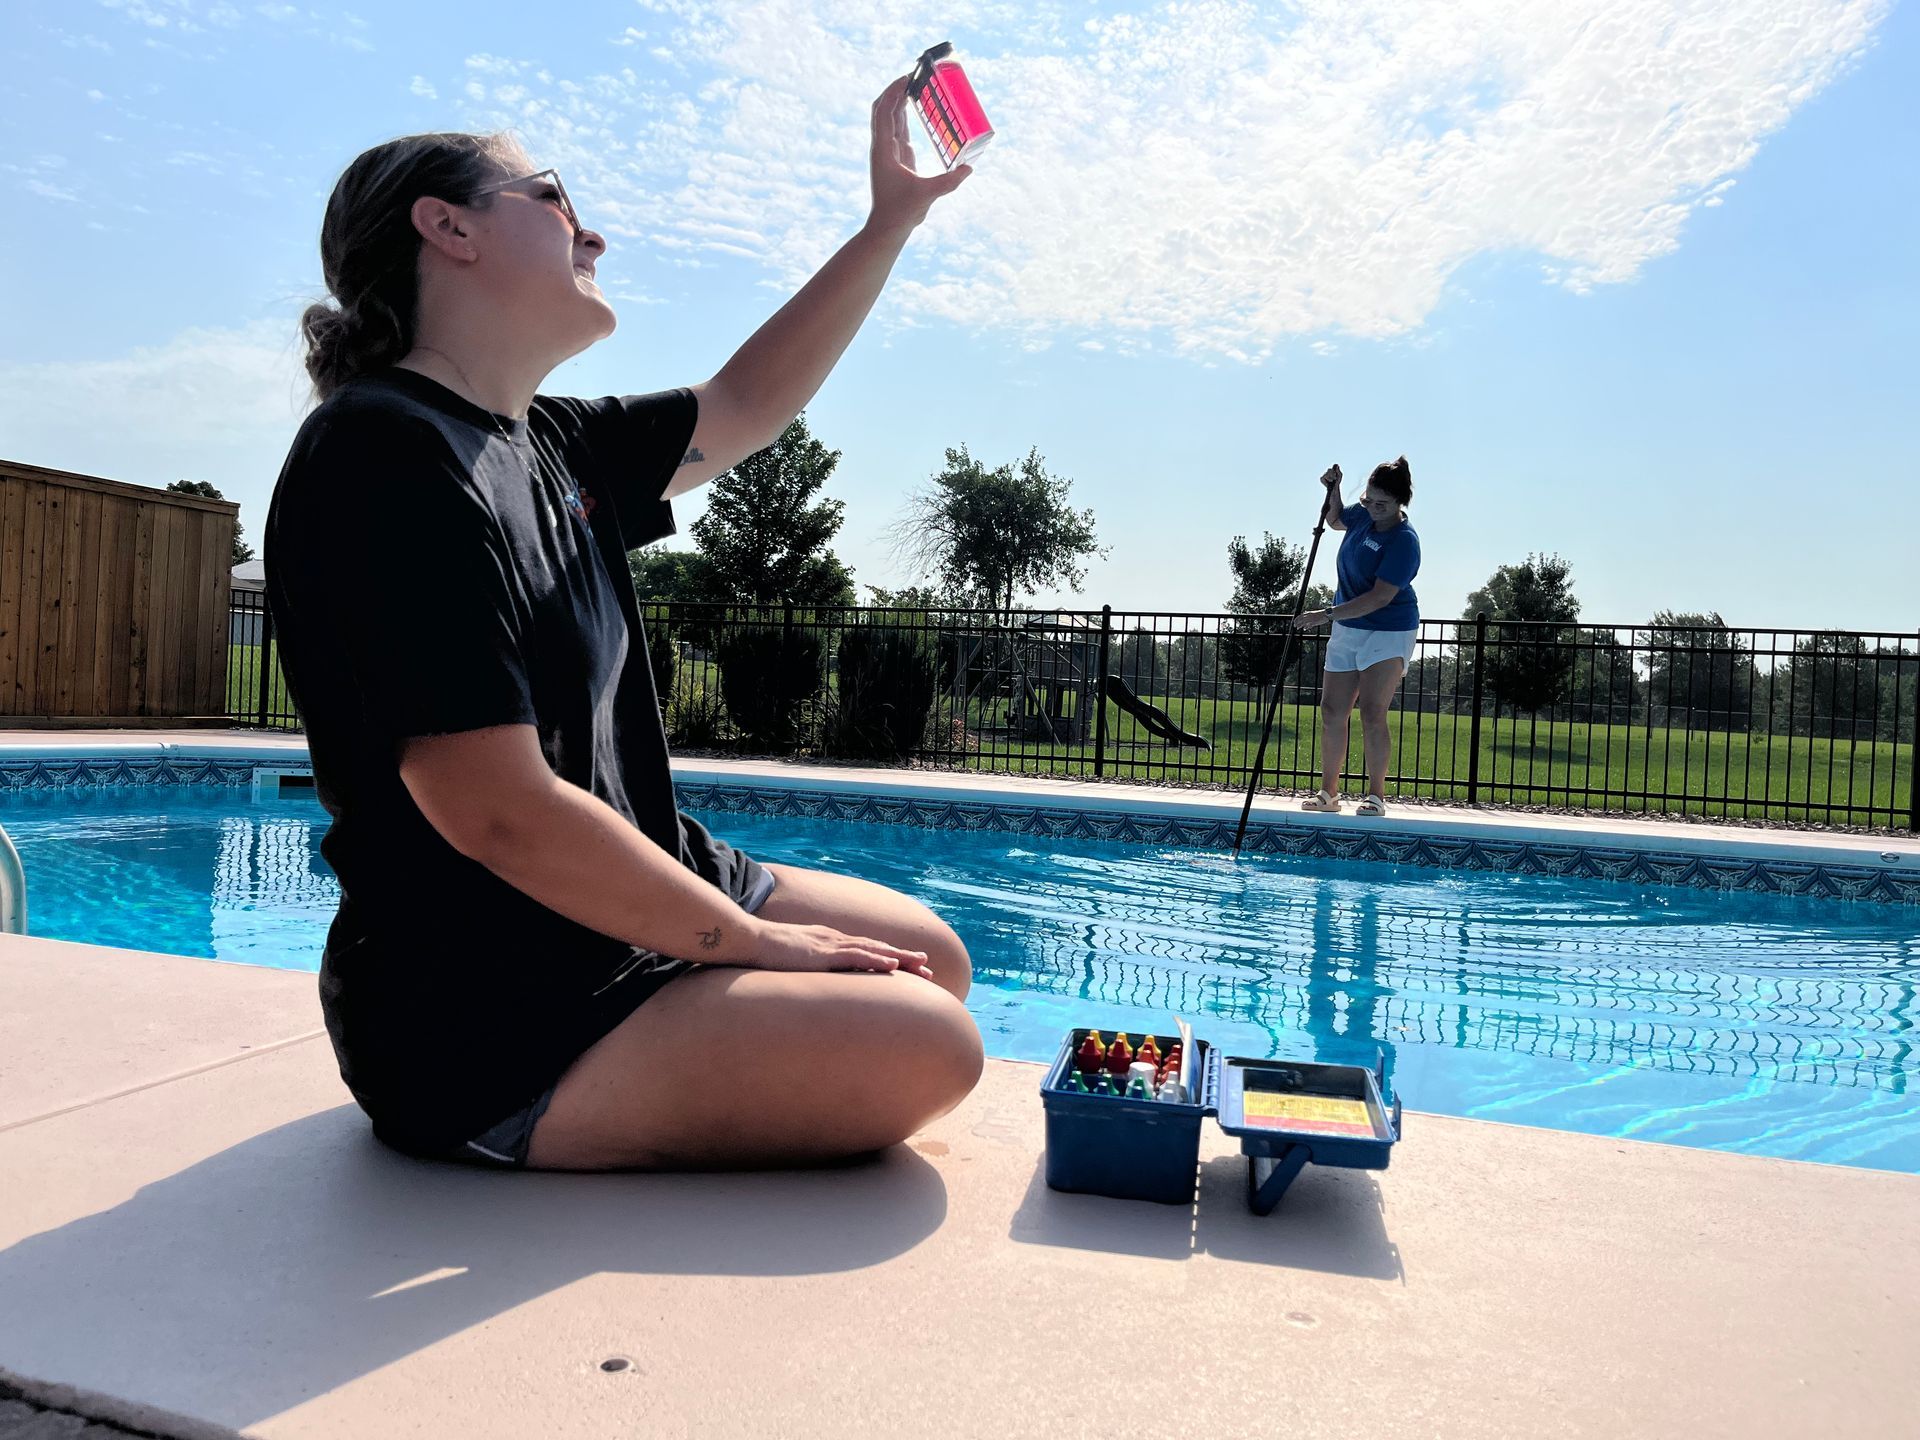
432, 568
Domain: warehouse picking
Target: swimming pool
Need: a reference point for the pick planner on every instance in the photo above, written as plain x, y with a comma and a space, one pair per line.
1739, 1021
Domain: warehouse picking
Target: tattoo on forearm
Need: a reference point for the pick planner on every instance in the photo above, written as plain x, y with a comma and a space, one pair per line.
692, 457
710, 939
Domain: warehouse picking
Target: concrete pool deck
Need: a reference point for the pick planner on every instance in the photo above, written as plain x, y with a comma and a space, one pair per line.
194, 1216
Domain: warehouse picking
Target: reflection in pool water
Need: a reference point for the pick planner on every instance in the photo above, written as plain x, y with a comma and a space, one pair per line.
1740, 1021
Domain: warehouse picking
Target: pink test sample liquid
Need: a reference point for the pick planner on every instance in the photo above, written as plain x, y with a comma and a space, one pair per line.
944, 96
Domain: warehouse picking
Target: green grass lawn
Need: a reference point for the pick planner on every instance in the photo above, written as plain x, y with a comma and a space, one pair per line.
243, 689
1522, 762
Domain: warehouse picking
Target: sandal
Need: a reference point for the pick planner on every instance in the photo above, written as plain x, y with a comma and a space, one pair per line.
1320, 800
1372, 805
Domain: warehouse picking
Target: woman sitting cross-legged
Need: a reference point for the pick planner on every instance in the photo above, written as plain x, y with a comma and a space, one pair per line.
537, 960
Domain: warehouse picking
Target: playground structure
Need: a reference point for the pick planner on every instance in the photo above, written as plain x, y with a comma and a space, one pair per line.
1046, 671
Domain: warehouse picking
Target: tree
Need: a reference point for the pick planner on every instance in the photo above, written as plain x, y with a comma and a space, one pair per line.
1266, 584
1438, 684
930, 598
998, 534
667, 575
242, 552
1528, 666
1837, 686
763, 540
1699, 673
1603, 686
663, 579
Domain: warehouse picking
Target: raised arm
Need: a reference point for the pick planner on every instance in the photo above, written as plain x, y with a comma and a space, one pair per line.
770, 379
1332, 509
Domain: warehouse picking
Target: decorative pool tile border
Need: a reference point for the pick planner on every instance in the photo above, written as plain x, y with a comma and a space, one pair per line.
90, 771
1266, 837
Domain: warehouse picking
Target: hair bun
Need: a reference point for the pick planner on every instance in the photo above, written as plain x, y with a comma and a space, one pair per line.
343, 343
325, 329
1395, 477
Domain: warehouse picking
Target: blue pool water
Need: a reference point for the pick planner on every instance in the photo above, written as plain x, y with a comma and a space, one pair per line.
1744, 1022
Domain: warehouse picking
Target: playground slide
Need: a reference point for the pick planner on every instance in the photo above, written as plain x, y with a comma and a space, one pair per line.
1152, 718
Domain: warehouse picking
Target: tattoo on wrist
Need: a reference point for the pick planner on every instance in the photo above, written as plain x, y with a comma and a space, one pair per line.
692, 457
710, 939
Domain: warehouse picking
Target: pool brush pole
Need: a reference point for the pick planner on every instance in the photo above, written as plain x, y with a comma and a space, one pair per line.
1287, 651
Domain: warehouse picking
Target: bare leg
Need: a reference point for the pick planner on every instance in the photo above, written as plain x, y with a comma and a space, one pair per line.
1337, 691
735, 1069
861, 907
1378, 685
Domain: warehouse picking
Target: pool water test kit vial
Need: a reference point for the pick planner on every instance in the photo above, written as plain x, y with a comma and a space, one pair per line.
941, 92
1123, 1116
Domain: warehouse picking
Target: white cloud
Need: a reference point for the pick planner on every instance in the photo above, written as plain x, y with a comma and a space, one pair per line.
185, 16
37, 172
484, 64
1213, 174
157, 16
218, 405
74, 42
424, 88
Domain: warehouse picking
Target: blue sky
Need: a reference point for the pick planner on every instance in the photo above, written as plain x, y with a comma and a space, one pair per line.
1630, 281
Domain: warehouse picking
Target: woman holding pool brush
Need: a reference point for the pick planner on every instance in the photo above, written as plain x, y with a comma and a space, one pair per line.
1375, 622
537, 960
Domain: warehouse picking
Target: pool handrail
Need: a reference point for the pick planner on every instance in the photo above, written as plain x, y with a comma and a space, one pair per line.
13, 888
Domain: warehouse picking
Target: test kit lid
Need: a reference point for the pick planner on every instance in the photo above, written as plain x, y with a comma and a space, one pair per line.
1345, 1113
923, 67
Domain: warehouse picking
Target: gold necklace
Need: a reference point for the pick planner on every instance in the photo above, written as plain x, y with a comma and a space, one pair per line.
531, 459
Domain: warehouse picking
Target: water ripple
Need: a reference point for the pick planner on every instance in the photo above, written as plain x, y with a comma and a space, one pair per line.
1765, 1024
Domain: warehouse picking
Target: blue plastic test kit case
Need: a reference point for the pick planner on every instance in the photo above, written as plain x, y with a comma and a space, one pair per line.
1150, 1149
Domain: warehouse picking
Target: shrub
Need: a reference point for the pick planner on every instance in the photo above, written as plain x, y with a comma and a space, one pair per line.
697, 722
663, 650
770, 675
888, 677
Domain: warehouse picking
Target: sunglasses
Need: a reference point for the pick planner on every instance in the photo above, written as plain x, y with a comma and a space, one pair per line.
559, 195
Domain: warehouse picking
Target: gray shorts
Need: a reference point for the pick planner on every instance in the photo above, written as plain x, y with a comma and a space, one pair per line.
504, 1146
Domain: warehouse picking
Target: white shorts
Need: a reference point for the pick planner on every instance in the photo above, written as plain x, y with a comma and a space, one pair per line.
1351, 648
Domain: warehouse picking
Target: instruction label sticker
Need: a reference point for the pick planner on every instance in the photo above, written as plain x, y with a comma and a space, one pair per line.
1313, 1114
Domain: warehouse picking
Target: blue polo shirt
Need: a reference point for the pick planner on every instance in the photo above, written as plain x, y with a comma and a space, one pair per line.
1367, 555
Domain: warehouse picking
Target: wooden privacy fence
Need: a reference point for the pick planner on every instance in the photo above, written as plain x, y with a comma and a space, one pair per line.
113, 600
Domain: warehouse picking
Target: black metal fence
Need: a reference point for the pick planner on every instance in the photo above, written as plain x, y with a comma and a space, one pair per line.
1761, 724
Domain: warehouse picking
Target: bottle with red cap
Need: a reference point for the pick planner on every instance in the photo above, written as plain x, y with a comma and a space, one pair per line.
1092, 1054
